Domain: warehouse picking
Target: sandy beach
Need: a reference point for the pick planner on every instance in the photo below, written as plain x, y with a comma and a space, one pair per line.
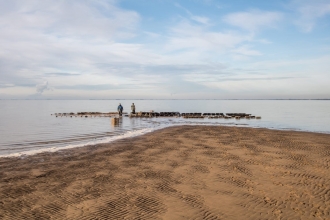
182, 172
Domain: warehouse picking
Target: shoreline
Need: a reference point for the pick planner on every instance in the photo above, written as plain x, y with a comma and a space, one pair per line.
111, 139
178, 172
140, 132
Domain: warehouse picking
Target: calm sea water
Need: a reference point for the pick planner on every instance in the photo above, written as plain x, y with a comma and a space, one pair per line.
27, 126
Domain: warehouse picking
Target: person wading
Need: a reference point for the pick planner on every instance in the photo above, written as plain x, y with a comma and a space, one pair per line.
133, 108
120, 109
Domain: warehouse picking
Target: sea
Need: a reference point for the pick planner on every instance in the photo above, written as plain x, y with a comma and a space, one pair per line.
30, 126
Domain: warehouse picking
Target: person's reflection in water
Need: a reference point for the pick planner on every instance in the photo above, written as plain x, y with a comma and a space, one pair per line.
116, 122
120, 109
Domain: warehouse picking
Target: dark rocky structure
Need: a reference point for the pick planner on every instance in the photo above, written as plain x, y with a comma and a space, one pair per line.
161, 114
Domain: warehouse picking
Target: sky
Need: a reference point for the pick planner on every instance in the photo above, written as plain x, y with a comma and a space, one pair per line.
164, 49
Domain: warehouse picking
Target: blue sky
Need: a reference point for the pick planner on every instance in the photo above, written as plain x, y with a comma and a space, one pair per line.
163, 49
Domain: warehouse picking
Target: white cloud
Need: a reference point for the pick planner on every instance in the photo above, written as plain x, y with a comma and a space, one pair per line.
200, 19
309, 12
88, 49
246, 50
44, 36
317, 67
253, 20
264, 41
42, 87
188, 36
53, 47
76, 19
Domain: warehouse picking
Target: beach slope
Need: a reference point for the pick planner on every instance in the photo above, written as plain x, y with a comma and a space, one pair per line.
182, 172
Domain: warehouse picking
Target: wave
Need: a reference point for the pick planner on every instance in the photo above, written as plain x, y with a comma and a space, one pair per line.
127, 134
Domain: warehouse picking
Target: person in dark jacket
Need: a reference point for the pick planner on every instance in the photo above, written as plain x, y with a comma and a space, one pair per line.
120, 109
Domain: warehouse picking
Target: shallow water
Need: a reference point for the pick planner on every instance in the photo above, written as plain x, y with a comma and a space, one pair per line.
27, 126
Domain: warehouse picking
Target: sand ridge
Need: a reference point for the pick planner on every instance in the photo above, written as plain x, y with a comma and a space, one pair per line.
183, 172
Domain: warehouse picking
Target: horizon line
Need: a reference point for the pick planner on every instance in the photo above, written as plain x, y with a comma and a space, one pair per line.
171, 99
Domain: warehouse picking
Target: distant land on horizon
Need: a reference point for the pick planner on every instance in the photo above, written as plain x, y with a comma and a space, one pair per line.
166, 99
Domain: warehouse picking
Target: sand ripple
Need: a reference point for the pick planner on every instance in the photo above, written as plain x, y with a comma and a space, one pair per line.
184, 172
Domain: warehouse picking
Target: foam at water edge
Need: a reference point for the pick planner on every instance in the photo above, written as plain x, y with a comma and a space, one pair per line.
141, 132
104, 140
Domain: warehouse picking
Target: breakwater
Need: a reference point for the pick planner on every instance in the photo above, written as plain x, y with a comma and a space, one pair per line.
151, 114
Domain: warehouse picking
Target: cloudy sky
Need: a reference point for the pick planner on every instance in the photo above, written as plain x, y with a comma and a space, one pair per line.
164, 49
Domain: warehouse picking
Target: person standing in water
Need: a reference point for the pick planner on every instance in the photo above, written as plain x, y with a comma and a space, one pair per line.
133, 108
120, 109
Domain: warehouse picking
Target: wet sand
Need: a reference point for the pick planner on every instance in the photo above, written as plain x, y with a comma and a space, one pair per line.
183, 172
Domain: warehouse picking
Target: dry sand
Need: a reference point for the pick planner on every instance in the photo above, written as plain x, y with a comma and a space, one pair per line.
184, 172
